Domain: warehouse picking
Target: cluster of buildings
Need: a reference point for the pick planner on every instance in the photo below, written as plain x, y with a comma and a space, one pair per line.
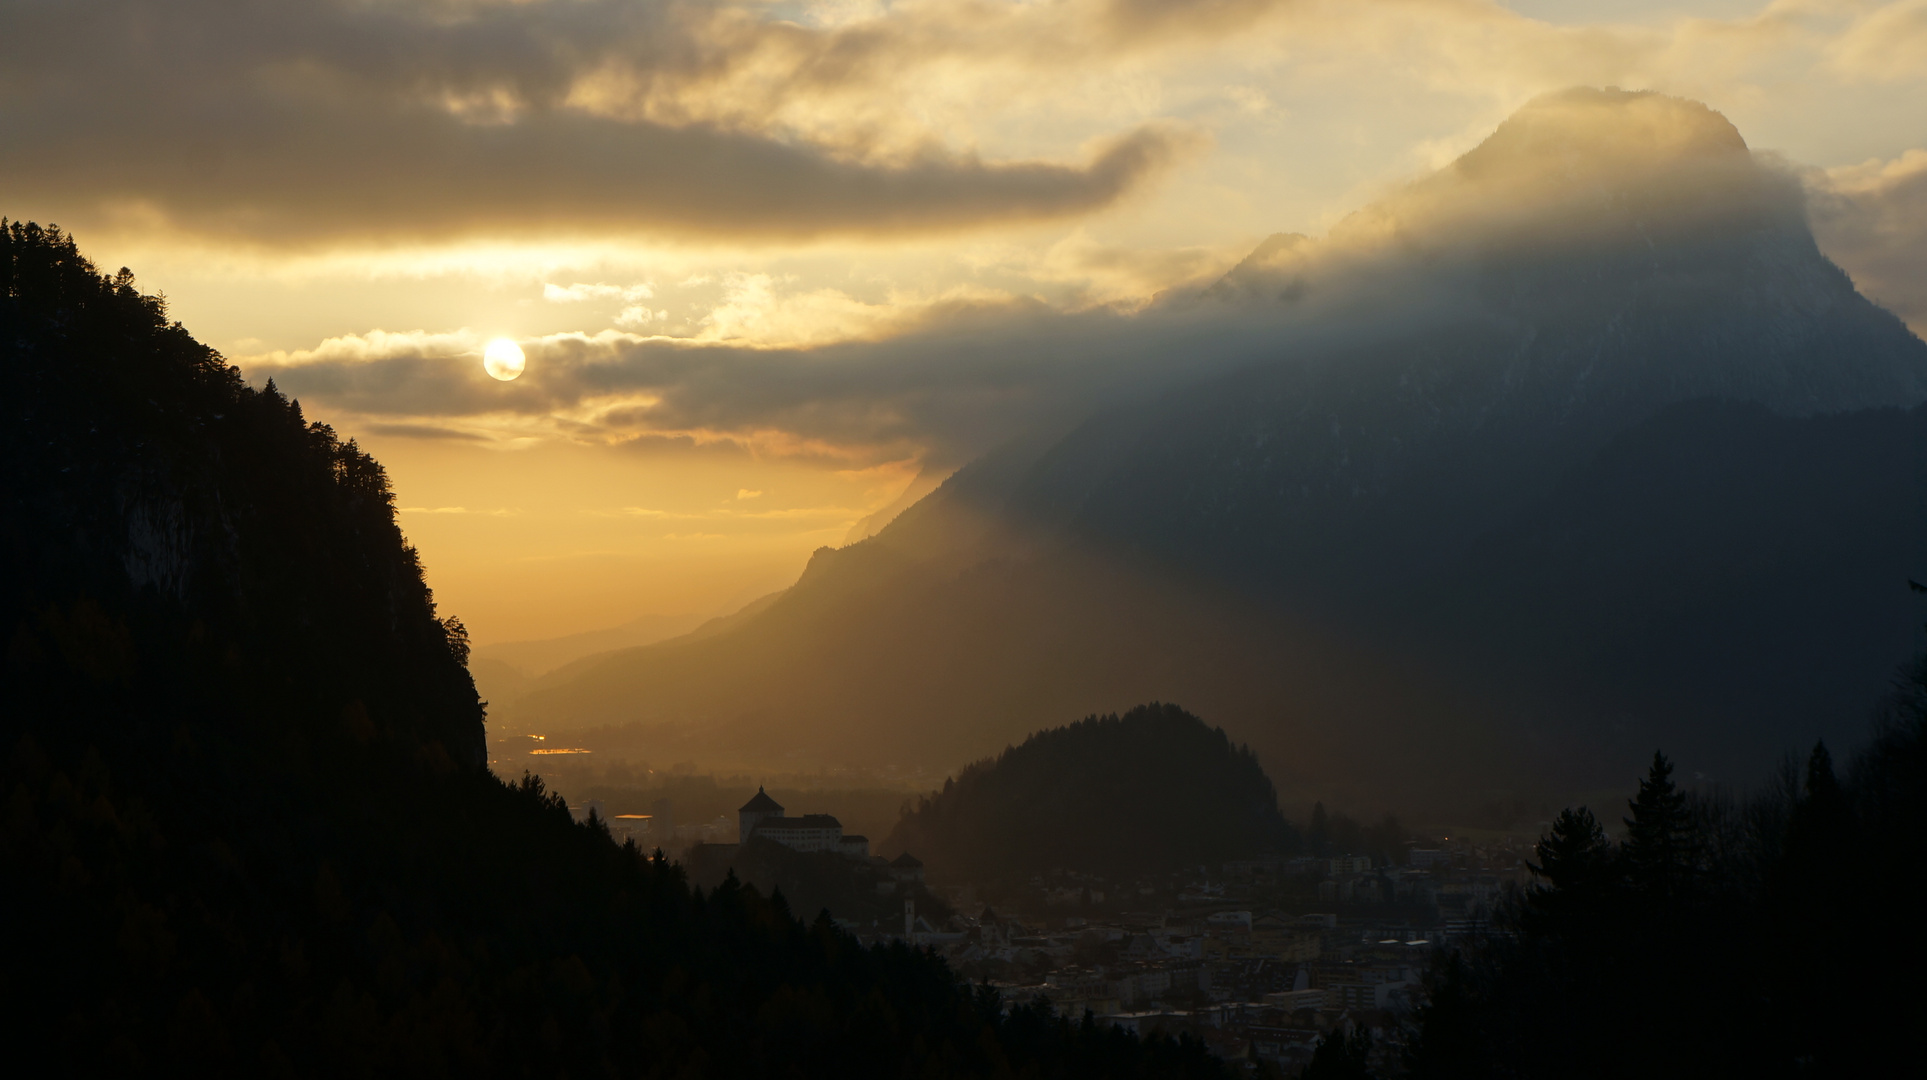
1260, 958
762, 817
1216, 958
764, 820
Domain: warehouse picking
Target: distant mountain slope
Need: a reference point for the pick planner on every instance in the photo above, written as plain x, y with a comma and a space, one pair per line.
1150, 791
542, 655
504, 670
1364, 554
1493, 671
248, 828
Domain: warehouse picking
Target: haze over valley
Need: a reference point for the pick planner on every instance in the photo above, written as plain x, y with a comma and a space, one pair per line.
1069, 539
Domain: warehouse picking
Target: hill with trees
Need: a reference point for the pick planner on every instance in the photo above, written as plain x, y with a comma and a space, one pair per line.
248, 825
1152, 790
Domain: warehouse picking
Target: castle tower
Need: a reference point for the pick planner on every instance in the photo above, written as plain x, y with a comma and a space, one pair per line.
753, 814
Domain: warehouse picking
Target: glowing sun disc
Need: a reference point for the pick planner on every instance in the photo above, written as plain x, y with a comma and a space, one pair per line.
503, 359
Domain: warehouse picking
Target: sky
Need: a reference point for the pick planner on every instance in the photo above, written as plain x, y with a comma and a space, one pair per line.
777, 267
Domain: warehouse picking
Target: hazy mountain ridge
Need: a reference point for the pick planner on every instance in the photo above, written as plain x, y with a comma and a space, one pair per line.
539, 656
501, 680
1295, 549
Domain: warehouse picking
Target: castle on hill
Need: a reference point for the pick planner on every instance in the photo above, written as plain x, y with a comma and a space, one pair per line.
763, 816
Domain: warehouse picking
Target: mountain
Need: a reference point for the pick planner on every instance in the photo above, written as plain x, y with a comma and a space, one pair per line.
504, 669
248, 826
869, 525
1576, 444
1151, 791
542, 655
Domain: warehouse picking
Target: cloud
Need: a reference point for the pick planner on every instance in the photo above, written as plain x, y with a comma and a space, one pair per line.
346, 122
579, 292
1107, 274
633, 316
645, 512
817, 374
1886, 44
336, 120
1572, 172
966, 377
421, 431
755, 309
630, 318
1871, 218
791, 513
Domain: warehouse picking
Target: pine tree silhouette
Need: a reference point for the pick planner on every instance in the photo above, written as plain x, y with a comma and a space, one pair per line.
1341, 1056
1575, 854
1662, 850
1319, 834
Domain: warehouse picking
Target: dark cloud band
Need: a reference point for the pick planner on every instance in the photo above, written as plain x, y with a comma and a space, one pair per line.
966, 380
292, 122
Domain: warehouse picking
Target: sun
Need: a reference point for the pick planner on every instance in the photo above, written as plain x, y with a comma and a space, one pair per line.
503, 359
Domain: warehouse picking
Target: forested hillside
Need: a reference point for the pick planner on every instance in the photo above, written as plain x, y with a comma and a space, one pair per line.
1716, 937
248, 829
1147, 792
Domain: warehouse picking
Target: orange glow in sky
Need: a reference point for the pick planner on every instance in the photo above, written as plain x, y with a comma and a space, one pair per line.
640, 302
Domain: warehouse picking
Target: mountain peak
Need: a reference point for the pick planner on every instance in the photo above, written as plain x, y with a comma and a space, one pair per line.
1579, 173
1585, 130
1583, 171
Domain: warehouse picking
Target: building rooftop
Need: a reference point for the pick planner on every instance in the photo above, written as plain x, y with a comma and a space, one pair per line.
761, 803
906, 861
807, 821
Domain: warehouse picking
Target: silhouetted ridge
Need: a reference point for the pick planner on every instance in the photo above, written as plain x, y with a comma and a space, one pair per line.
155, 501
1149, 791
248, 830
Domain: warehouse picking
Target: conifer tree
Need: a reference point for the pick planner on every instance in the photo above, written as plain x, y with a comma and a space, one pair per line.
1809, 914
1451, 1043
1661, 851
1341, 1057
1319, 835
1575, 854
1822, 821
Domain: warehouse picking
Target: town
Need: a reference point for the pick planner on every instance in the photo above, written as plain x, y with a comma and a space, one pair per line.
1260, 958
